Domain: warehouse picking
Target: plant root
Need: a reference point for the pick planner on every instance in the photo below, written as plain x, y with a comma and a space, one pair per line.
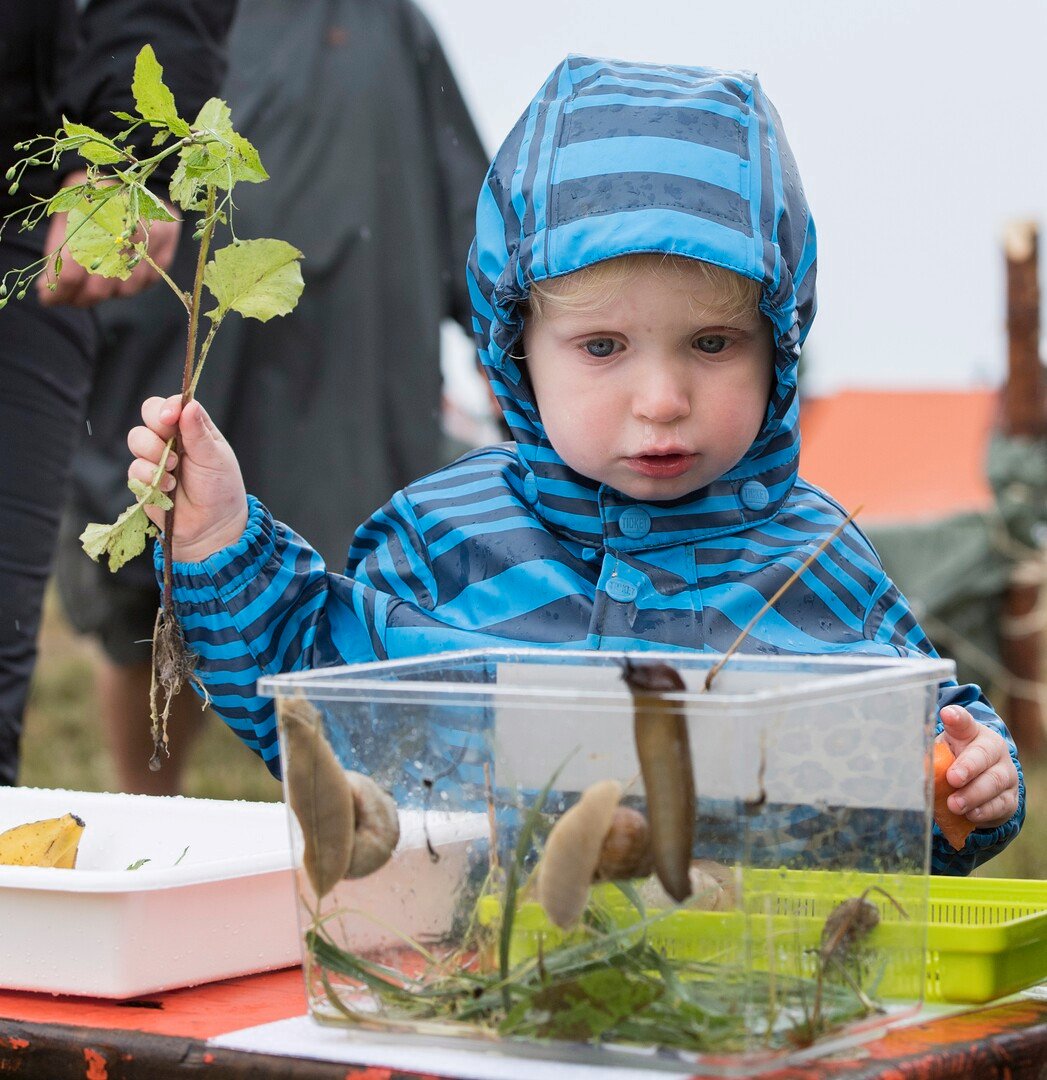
173, 666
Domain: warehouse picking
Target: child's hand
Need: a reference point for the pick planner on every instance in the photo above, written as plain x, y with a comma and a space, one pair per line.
983, 771
211, 505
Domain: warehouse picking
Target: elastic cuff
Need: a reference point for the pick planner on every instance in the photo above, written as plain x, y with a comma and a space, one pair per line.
228, 570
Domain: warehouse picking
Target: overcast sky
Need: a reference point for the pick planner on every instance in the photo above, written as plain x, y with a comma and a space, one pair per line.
920, 128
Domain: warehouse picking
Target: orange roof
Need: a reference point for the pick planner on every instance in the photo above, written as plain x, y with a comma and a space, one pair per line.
906, 455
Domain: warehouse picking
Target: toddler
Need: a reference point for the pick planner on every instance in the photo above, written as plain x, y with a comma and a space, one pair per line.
642, 278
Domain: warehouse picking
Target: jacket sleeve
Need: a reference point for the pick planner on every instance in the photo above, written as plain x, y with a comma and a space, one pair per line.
267, 604
188, 37
890, 620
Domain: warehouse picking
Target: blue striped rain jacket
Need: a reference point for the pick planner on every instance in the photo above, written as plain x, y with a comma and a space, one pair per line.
508, 545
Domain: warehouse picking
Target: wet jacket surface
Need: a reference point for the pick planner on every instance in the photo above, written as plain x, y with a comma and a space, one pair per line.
510, 546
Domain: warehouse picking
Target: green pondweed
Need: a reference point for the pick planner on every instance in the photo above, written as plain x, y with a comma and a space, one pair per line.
109, 216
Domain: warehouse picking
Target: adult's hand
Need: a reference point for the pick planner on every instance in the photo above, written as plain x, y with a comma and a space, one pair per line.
78, 288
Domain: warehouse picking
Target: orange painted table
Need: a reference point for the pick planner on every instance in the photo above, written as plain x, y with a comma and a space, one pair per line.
165, 1036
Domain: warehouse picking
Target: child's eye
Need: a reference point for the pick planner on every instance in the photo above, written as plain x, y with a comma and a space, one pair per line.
710, 343
600, 348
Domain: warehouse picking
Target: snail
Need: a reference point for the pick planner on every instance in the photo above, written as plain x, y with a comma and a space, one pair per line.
349, 824
595, 840
713, 888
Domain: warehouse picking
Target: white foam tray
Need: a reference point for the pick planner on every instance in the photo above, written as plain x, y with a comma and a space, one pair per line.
224, 908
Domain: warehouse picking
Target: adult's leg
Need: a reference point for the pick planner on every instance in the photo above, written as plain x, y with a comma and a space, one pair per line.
123, 696
46, 364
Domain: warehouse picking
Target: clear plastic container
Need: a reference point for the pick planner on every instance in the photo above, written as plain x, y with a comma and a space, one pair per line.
808, 840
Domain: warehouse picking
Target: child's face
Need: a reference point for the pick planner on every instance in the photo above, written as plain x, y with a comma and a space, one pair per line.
657, 392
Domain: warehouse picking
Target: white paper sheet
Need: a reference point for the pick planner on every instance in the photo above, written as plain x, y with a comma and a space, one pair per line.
303, 1037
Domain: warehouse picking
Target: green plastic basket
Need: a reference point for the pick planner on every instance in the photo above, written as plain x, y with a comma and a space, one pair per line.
985, 938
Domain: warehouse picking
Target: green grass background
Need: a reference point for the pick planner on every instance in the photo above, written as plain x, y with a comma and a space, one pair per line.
64, 747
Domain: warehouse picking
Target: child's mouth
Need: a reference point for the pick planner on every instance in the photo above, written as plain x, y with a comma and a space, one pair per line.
661, 466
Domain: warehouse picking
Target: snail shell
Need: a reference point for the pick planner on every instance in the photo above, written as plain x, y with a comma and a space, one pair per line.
626, 851
713, 888
377, 826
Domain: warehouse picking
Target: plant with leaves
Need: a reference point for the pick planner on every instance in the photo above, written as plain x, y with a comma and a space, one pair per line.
109, 215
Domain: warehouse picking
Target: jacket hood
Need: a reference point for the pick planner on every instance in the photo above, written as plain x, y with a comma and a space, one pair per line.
612, 158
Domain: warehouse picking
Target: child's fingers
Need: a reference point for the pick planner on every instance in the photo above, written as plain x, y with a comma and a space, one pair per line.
143, 471
985, 786
974, 759
146, 444
995, 811
965, 737
990, 799
161, 415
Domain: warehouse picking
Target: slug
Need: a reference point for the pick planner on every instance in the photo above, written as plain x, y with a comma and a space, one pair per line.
319, 793
663, 747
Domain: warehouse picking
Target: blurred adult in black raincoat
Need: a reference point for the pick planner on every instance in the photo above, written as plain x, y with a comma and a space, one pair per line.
375, 164
71, 58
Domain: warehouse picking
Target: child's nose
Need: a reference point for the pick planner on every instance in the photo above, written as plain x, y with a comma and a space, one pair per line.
662, 396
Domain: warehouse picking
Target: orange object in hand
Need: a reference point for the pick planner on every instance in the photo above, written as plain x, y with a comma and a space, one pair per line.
955, 827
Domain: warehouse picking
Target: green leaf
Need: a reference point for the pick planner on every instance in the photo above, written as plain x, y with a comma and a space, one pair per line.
66, 198
214, 116
96, 233
243, 158
153, 99
245, 162
584, 1008
97, 149
258, 278
150, 208
188, 183
219, 164
126, 537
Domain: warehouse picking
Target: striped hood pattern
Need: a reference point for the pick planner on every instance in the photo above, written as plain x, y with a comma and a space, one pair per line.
507, 546
613, 158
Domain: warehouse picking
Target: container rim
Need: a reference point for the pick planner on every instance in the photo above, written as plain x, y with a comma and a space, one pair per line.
359, 682
215, 871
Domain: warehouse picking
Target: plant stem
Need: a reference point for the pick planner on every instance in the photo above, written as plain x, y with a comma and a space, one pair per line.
187, 388
204, 350
167, 279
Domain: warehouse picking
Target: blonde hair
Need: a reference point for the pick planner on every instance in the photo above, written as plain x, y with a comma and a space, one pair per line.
602, 283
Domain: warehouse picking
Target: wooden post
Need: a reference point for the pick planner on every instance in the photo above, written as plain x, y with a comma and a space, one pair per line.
1024, 416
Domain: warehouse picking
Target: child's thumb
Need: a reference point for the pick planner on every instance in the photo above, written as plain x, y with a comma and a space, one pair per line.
958, 725
201, 440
